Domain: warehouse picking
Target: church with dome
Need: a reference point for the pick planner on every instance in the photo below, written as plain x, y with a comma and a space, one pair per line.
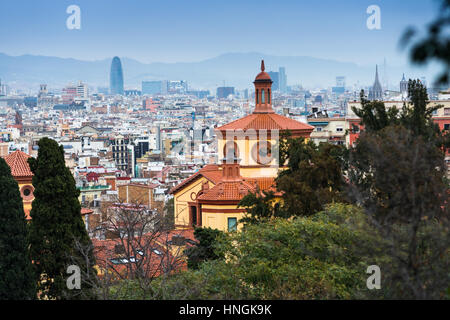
248, 163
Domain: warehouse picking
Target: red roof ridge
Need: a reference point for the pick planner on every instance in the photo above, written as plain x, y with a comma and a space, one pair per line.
227, 191
207, 171
266, 121
18, 162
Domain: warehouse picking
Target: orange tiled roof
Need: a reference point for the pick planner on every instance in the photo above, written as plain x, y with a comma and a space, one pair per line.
268, 121
18, 163
228, 191
152, 262
264, 183
214, 174
86, 211
210, 172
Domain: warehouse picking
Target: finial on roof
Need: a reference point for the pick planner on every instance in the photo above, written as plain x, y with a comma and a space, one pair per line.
262, 65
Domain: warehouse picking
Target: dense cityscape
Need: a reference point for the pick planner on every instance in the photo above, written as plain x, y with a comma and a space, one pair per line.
165, 188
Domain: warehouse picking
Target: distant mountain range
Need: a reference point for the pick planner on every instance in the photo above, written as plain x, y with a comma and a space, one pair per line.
231, 69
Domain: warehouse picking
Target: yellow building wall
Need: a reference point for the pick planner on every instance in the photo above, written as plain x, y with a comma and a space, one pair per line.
26, 203
90, 195
219, 220
246, 153
251, 172
183, 197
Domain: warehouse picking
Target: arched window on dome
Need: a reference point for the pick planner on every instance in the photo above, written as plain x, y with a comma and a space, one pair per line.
257, 96
268, 95
262, 96
231, 150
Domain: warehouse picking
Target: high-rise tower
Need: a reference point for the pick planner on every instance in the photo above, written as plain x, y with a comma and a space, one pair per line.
116, 77
282, 82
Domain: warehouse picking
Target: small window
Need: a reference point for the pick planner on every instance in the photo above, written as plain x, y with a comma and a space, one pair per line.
446, 111
232, 224
339, 129
27, 192
446, 126
319, 129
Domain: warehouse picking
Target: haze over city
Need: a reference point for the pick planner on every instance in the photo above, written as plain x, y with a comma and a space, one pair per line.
244, 151
194, 31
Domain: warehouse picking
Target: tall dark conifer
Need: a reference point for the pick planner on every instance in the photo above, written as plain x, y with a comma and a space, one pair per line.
57, 231
16, 274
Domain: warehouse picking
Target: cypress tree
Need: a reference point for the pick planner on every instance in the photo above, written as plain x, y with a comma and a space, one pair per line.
57, 229
16, 274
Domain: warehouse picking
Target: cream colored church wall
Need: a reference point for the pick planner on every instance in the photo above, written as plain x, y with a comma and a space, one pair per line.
219, 220
182, 199
245, 147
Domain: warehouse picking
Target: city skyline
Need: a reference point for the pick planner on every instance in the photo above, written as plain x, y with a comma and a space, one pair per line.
233, 69
256, 150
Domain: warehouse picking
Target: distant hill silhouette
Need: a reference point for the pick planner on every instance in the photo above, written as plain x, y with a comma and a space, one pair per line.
235, 69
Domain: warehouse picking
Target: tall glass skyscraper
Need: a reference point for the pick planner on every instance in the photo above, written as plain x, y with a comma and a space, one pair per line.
116, 77
282, 84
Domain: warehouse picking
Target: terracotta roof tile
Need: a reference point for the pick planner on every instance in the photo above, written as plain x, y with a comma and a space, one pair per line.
152, 262
268, 121
86, 211
18, 163
210, 172
228, 191
264, 183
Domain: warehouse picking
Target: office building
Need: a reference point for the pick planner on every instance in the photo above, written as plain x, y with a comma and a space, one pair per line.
152, 87
224, 92
275, 76
282, 80
116, 77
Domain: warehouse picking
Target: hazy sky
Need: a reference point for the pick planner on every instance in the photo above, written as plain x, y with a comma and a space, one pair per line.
191, 30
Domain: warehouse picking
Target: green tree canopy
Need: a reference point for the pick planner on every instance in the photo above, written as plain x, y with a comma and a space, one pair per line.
312, 179
415, 115
399, 180
314, 257
17, 281
57, 228
205, 249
